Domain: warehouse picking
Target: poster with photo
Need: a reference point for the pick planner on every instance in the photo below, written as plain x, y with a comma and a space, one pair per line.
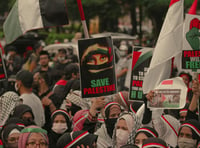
97, 68
191, 44
140, 64
170, 94
3, 74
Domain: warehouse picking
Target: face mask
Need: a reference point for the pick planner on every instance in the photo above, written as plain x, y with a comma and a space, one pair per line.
122, 53
61, 59
16, 87
59, 128
186, 143
122, 137
139, 145
110, 124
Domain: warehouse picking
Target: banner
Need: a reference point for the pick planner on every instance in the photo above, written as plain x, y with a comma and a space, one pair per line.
191, 43
170, 94
140, 64
97, 69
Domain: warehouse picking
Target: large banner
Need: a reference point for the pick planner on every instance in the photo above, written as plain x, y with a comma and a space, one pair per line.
3, 74
97, 69
140, 64
191, 43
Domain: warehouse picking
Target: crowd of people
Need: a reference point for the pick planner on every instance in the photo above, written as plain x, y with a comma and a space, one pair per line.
42, 107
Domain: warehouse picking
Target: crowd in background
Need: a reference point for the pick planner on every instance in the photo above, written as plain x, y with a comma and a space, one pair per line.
41, 106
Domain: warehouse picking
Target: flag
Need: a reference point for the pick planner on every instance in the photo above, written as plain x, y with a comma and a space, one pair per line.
33, 14
169, 45
193, 8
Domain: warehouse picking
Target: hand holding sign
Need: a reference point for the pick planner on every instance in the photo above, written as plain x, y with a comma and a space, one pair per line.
196, 88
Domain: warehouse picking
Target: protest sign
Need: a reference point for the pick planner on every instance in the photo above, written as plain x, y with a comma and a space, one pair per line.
191, 43
170, 94
140, 63
97, 69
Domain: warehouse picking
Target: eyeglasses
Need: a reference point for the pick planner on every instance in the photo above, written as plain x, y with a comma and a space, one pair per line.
34, 144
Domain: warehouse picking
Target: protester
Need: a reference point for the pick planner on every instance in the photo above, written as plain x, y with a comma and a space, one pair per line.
10, 135
88, 119
60, 124
9, 100
23, 84
105, 132
123, 127
33, 59
77, 139
25, 113
43, 66
122, 98
144, 133
189, 134
33, 136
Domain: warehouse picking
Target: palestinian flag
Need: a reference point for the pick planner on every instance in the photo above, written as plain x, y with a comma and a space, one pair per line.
34, 14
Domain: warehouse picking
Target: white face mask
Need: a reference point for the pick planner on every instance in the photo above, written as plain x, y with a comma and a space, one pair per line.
61, 59
59, 128
186, 143
122, 137
16, 87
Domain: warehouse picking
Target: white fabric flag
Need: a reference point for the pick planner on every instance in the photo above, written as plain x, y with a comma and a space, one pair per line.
169, 45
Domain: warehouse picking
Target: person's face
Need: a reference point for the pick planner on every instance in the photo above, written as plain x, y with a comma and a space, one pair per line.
121, 124
183, 116
36, 140
140, 138
114, 112
185, 80
27, 116
36, 79
59, 119
12, 141
98, 59
44, 60
186, 132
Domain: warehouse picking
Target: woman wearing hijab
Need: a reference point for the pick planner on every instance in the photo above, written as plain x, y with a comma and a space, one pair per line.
10, 135
154, 143
25, 113
33, 136
144, 133
61, 123
123, 127
77, 139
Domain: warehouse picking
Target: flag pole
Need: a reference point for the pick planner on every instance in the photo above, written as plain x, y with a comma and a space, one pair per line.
85, 29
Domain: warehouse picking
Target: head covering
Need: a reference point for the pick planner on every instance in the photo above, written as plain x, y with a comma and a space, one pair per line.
65, 114
122, 98
25, 133
148, 131
75, 98
15, 120
7, 130
77, 138
134, 107
79, 119
21, 109
8, 101
167, 127
154, 142
109, 106
194, 125
25, 77
131, 121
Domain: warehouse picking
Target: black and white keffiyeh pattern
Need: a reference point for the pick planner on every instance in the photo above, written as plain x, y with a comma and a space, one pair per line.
8, 101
